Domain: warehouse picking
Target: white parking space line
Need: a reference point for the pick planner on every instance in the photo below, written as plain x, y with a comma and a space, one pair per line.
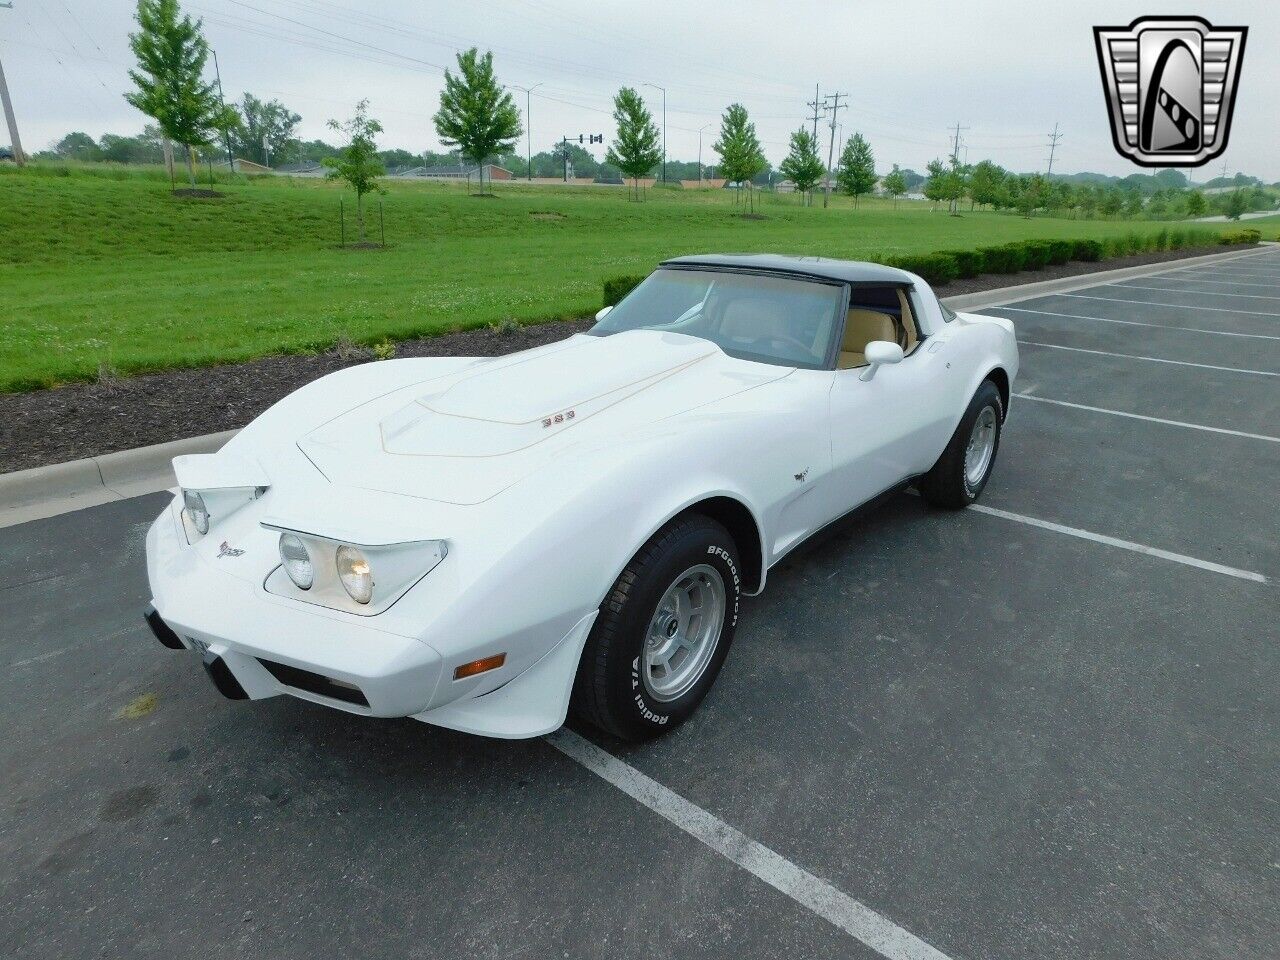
1203, 293
1251, 274
1139, 416
1139, 323
1133, 356
1176, 306
1121, 544
1225, 283
879, 933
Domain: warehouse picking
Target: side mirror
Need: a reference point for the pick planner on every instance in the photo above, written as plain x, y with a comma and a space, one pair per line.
878, 352
602, 313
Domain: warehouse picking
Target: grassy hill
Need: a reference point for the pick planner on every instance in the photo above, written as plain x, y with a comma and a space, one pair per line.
101, 274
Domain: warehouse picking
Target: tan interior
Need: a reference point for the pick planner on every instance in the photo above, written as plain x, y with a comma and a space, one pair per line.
864, 326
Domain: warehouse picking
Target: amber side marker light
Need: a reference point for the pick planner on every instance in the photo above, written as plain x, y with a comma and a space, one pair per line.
479, 666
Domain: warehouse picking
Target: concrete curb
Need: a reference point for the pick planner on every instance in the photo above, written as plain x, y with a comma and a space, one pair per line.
1043, 288
62, 487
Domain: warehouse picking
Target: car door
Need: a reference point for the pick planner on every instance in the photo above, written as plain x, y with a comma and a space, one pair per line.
890, 427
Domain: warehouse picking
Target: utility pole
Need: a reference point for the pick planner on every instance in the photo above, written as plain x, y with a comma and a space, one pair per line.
528, 124
19, 157
954, 205
834, 109
231, 161
955, 148
1053, 147
664, 128
816, 104
700, 129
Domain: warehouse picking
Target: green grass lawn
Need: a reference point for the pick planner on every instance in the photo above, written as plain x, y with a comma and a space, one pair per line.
116, 274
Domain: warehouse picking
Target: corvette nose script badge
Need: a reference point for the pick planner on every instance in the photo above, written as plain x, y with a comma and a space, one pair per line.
1171, 86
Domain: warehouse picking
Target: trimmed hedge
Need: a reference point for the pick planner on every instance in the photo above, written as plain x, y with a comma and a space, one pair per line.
1007, 259
969, 263
942, 266
615, 288
937, 268
1086, 251
1037, 253
1247, 235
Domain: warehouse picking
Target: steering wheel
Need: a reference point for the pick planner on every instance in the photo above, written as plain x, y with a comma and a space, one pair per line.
788, 340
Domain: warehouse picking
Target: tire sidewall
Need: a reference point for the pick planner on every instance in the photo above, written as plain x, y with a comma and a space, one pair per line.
635, 709
987, 396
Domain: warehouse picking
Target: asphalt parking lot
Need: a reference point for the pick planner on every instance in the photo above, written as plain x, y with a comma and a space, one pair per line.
1046, 729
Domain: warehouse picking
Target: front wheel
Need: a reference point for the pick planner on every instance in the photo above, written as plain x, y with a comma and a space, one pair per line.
663, 631
958, 477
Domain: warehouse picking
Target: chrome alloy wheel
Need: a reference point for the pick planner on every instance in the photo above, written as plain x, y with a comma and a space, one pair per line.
981, 448
684, 633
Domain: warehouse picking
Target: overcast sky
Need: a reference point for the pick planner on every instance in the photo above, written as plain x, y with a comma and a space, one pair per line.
1007, 71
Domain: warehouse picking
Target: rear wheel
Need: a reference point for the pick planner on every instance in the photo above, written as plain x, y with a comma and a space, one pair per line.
961, 473
663, 631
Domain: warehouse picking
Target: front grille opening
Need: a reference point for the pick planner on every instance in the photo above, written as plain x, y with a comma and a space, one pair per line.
315, 683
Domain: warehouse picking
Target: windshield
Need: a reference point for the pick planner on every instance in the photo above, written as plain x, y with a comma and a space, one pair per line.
768, 319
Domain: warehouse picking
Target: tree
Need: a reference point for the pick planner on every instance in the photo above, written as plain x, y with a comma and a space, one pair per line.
856, 173
944, 183
637, 147
1195, 204
1237, 203
267, 122
741, 156
1133, 204
76, 146
803, 166
1112, 202
171, 54
476, 115
895, 184
357, 163
985, 183
1032, 194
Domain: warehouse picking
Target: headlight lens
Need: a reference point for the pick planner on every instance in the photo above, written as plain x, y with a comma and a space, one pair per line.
196, 511
296, 561
355, 573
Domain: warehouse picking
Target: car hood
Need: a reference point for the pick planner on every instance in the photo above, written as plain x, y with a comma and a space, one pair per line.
466, 436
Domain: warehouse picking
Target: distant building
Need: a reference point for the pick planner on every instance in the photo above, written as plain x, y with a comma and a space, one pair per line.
456, 172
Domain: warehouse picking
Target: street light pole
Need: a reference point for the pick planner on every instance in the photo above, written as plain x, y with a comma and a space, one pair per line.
700, 129
528, 124
19, 157
664, 128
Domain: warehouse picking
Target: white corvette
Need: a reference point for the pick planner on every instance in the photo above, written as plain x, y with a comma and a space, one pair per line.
484, 544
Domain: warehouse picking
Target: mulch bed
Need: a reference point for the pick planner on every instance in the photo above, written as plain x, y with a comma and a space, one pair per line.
84, 420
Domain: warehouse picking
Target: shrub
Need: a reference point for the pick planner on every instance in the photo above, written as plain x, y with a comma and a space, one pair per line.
1090, 251
1161, 240
1113, 247
1060, 251
1177, 239
937, 268
1006, 259
1247, 235
615, 288
969, 263
1135, 243
1036, 253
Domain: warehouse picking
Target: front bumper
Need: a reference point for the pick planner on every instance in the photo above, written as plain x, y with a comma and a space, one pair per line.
256, 646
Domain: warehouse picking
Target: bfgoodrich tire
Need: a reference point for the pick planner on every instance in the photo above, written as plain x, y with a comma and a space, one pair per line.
961, 473
663, 631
